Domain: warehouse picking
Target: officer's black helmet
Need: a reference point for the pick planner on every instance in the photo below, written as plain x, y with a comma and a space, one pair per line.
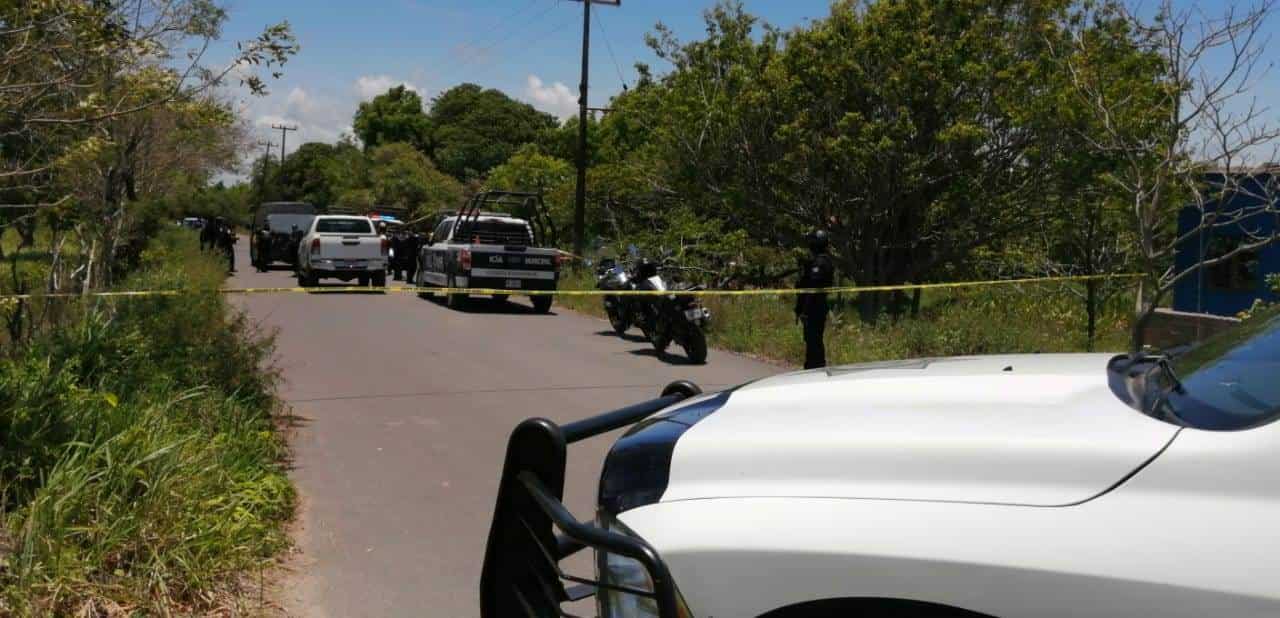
818, 241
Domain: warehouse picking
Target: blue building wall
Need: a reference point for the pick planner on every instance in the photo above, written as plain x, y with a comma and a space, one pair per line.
1204, 291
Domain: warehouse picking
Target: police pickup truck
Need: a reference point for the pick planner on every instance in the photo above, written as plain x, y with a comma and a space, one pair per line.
475, 248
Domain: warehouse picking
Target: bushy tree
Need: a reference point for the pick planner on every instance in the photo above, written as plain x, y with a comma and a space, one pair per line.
396, 116
402, 176
475, 130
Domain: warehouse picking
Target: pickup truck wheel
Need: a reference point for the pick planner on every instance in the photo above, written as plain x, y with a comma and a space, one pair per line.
457, 301
379, 280
542, 304
363, 280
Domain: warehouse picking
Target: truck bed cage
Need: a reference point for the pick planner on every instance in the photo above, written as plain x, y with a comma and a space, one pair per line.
522, 574
528, 206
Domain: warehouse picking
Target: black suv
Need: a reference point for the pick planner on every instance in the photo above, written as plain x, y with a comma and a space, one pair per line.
277, 228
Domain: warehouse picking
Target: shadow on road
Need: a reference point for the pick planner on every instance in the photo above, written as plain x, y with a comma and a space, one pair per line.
277, 267
624, 336
339, 288
668, 358
488, 306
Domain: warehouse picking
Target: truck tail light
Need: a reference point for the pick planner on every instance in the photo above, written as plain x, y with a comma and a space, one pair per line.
315, 246
464, 258
386, 246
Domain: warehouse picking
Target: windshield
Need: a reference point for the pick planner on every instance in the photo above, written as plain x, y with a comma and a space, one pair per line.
344, 226
280, 223
494, 232
1231, 381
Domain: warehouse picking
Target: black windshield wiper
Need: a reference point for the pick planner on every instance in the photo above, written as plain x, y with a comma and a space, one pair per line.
1172, 376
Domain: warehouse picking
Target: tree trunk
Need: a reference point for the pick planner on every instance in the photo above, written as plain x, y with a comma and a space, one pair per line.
1091, 308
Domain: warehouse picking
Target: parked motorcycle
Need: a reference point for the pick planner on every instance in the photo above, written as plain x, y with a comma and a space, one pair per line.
664, 318
611, 275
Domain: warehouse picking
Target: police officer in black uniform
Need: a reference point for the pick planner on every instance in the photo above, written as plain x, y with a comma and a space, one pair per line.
397, 262
818, 271
412, 245
226, 239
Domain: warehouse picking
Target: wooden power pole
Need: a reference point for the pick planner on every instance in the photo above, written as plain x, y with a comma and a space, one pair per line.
580, 204
284, 135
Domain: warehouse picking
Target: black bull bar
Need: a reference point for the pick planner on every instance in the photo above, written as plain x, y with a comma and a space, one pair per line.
522, 574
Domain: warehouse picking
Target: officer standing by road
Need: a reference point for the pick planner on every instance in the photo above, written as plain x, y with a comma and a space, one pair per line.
413, 244
817, 271
208, 233
226, 238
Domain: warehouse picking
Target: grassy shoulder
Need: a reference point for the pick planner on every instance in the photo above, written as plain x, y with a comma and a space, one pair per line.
1004, 319
140, 468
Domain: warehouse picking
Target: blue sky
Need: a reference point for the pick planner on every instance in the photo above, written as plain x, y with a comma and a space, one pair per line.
530, 49
352, 51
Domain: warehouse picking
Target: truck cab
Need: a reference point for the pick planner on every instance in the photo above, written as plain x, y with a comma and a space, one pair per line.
494, 253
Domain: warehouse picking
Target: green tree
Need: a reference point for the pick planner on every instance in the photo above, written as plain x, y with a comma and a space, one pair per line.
302, 175
475, 130
402, 176
532, 171
396, 116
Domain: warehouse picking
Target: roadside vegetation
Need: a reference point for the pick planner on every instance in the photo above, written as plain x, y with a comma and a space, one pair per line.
1036, 318
140, 468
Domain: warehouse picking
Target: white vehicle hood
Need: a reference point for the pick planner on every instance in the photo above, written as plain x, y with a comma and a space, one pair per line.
1042, 430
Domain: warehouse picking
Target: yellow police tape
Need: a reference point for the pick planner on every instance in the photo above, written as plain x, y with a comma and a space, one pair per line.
437, 291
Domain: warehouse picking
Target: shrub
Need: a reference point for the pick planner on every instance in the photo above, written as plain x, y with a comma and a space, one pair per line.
1005, 319
139, 466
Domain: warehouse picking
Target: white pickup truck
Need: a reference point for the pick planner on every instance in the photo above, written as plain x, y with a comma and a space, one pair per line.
343, 247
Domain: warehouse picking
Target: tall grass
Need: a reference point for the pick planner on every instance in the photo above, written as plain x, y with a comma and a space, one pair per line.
140, 471
1005, 319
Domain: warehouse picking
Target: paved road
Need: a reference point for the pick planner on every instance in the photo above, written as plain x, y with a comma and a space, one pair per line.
406, 407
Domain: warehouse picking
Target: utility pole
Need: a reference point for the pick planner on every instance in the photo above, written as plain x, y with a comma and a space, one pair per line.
266, 161
580, 205
284, 134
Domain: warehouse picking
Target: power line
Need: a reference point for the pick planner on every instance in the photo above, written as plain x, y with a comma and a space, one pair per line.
507, 20
568, 21
479, 53
609, 46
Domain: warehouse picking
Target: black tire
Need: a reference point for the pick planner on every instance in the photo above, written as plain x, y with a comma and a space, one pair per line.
619, 325
456, 301
379, 280
696, 346
542, 304
660, 343
499, 298
363, 280
307, 280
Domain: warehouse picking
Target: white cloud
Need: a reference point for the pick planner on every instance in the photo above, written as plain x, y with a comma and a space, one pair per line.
322, 115
556, 99
369, 86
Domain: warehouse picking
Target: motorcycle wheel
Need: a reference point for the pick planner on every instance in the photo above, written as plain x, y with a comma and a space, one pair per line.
661, 341
695, 347
619, 325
